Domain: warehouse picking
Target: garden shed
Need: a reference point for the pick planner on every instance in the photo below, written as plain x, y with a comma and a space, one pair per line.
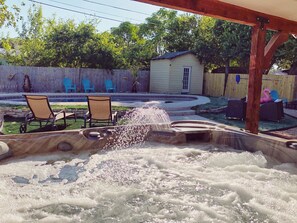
176, 73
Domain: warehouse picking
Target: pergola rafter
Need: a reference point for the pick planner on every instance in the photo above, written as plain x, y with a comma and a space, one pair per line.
222, 10
277, 39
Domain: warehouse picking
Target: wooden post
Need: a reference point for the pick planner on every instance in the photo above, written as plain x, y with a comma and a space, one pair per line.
255, 77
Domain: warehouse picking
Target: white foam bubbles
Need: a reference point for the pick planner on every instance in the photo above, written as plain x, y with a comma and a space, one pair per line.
154, 183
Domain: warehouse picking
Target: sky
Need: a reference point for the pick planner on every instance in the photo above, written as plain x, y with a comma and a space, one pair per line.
135, 12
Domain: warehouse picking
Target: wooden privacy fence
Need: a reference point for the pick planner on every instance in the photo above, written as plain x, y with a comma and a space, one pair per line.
50, 79
214, 85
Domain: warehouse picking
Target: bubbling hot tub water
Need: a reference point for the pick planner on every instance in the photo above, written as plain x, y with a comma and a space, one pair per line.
149, 182
155, 183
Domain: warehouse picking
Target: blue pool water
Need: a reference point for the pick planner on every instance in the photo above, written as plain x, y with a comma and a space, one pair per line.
128, 99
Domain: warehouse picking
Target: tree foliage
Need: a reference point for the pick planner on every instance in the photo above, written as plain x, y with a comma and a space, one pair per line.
222, 43
233, 43
8, 16
156, 28
52, 42
205, 45
182, 33
25, 50
287, 54
136, 50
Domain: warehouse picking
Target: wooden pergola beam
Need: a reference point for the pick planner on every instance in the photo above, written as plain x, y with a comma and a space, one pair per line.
221, 10
276, 40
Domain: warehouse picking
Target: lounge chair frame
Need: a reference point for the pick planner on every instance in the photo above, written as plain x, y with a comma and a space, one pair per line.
46, 115
99, 113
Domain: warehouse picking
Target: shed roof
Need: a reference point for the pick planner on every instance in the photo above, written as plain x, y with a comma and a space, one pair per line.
172, 55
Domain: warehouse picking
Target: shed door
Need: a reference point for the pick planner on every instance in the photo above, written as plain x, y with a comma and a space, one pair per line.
186, 79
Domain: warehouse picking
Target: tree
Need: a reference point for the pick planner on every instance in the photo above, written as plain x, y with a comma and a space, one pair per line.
70, 45
8, 16
233, 42
104, 52
126, 34
156, 28
66, 43
34, 26
286, 55
136, 50
205, 46
222, 43
181, 33
28, 48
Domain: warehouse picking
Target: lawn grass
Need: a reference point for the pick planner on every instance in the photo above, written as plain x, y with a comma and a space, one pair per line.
12, 125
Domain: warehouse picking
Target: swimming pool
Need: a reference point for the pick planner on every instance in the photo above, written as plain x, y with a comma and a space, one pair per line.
118, 99
126, 99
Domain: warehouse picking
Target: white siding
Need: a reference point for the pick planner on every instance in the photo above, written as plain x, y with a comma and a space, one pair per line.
159, 76
176, 74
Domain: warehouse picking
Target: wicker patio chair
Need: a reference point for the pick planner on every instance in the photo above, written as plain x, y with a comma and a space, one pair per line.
236, 109
272, 111
99, 112
40, 111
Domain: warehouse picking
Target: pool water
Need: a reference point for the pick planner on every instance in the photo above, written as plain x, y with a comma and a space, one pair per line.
151, 183
126, 99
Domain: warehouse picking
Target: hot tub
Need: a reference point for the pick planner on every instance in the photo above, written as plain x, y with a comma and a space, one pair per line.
186, 171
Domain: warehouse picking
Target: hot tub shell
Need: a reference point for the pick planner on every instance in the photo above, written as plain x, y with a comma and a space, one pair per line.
180, 132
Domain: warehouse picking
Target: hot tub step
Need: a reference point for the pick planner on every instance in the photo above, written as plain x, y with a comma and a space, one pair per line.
168, 109
181, 113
